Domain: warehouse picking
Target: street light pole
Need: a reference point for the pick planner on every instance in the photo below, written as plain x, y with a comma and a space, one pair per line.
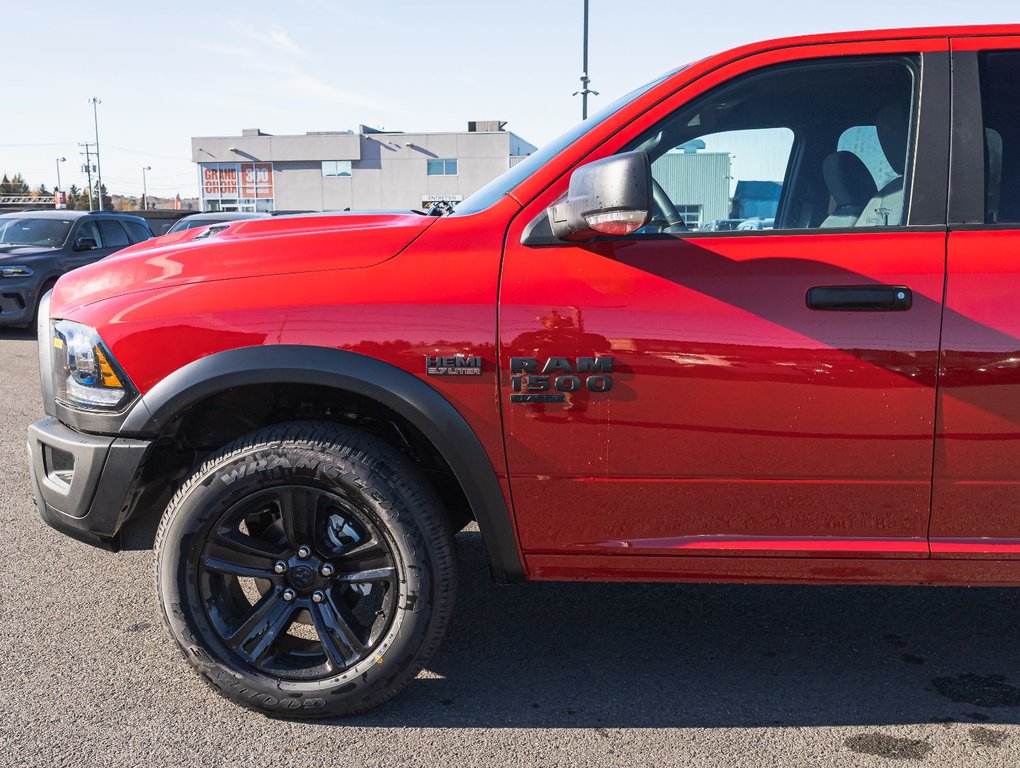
145, 189
99, 167
59, 161
585, 80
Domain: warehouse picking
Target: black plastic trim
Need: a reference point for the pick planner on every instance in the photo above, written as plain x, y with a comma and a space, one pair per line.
931, 143
91, 507
967, 159
1004, 227
536, 239
388, 385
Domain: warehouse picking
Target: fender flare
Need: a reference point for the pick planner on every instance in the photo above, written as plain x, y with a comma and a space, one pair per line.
387, 384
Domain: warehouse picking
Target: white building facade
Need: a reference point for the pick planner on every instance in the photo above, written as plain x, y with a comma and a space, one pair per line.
366, 170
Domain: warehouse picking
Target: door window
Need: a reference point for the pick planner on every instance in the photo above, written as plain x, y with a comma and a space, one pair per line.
1000, 107
137, 231
815, 145
113, 233
89, 231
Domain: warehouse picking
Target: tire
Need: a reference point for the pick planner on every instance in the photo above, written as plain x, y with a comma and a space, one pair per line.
34, 323
339, 643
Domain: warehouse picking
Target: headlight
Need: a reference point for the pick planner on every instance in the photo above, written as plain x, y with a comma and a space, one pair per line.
16, 272
85, 374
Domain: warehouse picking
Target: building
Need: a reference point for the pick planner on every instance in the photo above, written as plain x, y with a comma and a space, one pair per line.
370, 169
698, 183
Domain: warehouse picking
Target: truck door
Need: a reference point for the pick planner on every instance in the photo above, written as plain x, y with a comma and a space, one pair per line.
977, 450
754, 372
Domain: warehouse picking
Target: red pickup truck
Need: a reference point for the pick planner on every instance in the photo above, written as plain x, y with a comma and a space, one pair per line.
579, 359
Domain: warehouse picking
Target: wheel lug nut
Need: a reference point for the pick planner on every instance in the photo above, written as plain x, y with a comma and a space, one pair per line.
289, 594
326, 570
318, 596
303, 552
280, 567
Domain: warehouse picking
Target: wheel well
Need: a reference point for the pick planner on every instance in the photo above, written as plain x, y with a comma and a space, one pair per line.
224, 416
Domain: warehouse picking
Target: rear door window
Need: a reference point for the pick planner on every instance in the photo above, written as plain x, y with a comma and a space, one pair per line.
1000, 108
114, 235
137, 232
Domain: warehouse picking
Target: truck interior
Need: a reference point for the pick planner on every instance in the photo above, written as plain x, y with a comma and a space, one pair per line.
844, 128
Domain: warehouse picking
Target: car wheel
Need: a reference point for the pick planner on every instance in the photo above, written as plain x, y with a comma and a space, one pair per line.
47, 287
306, 570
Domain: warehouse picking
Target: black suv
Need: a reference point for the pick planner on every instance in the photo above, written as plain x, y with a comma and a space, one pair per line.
37, 247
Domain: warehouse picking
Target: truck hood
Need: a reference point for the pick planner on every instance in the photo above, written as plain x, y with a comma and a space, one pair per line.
248, 248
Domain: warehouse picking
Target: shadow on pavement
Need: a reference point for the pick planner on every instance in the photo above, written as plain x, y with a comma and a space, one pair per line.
15, 334
654, 656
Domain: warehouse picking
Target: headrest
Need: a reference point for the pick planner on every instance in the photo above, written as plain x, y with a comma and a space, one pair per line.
848, 179
893, 124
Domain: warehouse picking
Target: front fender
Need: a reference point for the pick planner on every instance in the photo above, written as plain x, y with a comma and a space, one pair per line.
388, 385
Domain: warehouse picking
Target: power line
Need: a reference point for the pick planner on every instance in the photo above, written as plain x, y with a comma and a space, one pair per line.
52, 144
187, 175
148, 154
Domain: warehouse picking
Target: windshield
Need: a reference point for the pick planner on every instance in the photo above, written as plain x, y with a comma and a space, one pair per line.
183, 224
46, 233
502, 185
204, 221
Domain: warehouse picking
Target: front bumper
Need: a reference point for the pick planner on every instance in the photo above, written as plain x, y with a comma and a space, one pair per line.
17, 300
82, 482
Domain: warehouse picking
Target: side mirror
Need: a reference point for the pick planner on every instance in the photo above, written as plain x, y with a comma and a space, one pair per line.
85, 244
612, 196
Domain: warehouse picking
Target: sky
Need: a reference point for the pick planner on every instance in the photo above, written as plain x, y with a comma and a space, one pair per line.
168, 71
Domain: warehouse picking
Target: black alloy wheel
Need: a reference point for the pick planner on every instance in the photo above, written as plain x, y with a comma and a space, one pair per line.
306, 570
314, 559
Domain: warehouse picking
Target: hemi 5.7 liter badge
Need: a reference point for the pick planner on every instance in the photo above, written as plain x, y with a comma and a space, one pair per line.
458, 365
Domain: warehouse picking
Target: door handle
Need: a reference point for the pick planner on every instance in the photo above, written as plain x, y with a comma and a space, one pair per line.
860, 298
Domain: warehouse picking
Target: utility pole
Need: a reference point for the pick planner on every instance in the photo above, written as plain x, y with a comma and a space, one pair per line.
585, 80
59, 161
99, 166
88, 167
145, 196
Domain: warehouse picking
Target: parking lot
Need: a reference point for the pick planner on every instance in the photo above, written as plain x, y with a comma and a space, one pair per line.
538, 674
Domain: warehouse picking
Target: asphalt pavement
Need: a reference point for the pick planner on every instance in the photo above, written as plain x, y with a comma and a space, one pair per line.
533, 674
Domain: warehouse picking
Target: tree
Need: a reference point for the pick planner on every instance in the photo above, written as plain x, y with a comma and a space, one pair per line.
107, 200
5, 186
77, 199
19, 186
42, 191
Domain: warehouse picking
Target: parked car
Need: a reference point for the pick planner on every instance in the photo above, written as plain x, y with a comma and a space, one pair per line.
310, 407
37, 247
723, 225
755, 223
213, 217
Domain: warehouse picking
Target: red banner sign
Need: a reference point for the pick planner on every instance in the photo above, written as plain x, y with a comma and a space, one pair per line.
220, 182
257, 180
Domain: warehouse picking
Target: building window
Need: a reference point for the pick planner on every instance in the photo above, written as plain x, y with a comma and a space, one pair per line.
691, 215
442, 167
336, 168
237, 187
